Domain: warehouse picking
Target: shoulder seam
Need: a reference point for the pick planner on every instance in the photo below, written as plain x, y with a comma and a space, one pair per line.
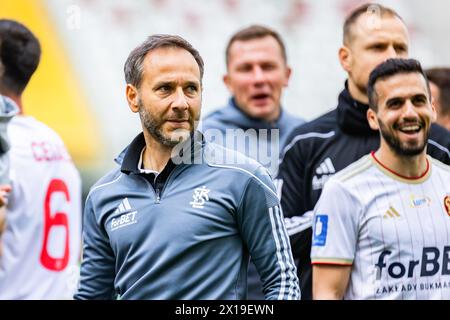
304, 136
357, 167
247, 172
103, 185
440, 164
439, 146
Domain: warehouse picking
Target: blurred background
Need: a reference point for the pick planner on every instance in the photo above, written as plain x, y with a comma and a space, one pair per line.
79, 88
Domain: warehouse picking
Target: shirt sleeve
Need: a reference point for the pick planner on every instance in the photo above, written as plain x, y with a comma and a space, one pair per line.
291, 181
261, 224
98, 264
335, 226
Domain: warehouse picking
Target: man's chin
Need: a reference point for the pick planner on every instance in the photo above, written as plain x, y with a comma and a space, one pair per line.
179, 135
261, 111
409, 149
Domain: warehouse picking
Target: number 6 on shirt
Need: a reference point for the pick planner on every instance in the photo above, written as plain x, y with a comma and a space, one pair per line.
53, 220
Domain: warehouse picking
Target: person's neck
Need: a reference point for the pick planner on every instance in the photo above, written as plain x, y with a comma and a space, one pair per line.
405, 166
357, 94
444, 121
273, 118
14, 97
156, 155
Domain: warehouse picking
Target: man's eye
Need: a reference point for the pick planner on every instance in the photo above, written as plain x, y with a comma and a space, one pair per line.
419, 100
395, 104
268, 67
191, 89
245, 68
401, 49
164, 89
378, 47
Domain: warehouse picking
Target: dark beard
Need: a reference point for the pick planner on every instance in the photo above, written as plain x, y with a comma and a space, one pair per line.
397, 146
153, 127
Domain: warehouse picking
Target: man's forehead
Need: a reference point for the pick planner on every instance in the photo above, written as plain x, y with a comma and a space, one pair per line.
370, 25
263, 45
401, 85
171, 63
166, 55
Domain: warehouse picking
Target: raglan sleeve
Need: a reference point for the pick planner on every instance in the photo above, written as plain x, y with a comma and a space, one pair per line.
98, 263
335, 226
290, 180
261, 224
438, 145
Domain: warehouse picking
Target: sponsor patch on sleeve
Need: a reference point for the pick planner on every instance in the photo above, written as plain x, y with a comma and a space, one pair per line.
320, 230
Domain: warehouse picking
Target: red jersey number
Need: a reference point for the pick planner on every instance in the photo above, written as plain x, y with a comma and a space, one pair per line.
52, 220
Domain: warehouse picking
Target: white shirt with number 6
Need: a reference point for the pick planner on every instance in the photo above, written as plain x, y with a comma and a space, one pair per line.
41, 243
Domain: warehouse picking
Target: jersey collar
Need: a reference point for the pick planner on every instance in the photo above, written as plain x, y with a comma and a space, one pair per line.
185, 153
389, 172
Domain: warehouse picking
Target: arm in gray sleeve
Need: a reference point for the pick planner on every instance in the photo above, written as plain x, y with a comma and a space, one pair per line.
7, 110
261, 224
98, 264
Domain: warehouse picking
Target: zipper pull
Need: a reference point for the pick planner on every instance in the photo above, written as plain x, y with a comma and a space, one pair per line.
158, 197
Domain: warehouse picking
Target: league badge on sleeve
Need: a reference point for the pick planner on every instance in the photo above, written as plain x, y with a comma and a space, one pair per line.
320, 230
447, 204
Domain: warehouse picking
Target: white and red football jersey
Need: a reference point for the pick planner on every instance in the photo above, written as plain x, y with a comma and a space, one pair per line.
41, 243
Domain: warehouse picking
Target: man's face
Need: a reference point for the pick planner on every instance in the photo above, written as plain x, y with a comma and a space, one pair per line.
169, 97
372, 42
257, 74
404, 114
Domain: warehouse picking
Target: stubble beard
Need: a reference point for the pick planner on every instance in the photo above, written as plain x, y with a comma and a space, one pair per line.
154, 125
402, 149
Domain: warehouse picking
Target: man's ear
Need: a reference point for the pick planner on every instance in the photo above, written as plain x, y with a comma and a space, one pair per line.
132, 97
433, 110
227, 81
372, 119
345, 58
287, 76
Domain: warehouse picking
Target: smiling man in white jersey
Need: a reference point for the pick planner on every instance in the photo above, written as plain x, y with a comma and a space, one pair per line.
41, 241
381, 226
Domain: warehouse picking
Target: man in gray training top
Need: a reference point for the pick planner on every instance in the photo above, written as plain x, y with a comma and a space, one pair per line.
175, 221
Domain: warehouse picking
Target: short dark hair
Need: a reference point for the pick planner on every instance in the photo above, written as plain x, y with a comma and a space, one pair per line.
441, 78
370, 8
255, 32
20, 53
133, 66
389, 68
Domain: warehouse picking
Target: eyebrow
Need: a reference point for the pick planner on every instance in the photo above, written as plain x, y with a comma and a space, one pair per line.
397, 99
174, 82
420, 95
393, 100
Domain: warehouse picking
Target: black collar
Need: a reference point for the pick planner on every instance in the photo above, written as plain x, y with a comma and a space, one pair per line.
352, 115
185, 152
133, 152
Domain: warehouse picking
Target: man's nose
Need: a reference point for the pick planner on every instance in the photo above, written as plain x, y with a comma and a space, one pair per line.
409, 111
391, 53
180, 101
258, 74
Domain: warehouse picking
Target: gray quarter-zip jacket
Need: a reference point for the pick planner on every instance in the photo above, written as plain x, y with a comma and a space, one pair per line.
7, 110
192, 238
